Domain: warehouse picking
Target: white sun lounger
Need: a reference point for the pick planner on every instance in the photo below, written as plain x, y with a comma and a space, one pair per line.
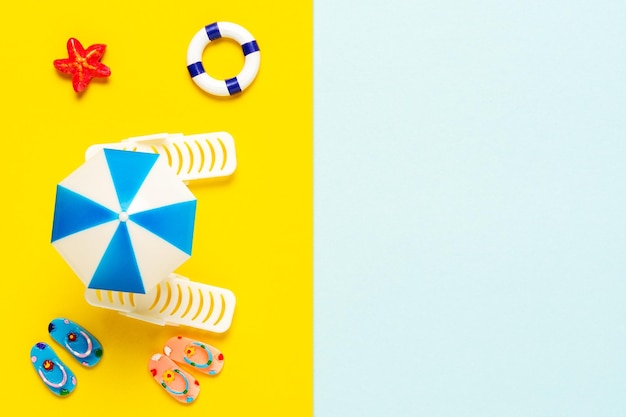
175, 301
192, 157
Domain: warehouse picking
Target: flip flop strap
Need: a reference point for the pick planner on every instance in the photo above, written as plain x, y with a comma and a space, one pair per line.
87, 352
50, 383
168, 389
200, 365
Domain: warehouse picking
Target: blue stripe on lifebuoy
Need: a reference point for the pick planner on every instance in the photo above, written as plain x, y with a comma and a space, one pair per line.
213, 31
195, 69
233, 86
250, 47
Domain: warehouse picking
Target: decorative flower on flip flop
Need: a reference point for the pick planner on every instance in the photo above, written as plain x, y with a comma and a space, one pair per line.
48, 365
168, 376
190, 350
72, 337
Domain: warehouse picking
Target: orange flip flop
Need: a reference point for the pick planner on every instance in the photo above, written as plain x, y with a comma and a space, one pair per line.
199, 355
180, 385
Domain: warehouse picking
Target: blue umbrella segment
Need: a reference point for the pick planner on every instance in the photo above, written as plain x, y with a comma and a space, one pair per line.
123, 221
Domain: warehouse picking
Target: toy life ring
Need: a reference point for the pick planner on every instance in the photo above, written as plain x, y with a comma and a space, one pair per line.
230, 86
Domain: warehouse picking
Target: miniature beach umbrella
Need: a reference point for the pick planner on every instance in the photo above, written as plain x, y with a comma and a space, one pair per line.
123, 221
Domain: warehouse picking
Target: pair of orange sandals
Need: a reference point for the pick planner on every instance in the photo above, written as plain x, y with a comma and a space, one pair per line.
181, 385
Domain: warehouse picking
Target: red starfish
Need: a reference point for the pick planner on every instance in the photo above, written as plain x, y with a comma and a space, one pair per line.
83, 64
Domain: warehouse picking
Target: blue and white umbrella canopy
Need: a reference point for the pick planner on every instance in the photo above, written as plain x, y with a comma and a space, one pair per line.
123, 221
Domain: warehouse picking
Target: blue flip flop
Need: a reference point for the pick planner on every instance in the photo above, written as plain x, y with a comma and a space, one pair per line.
81, 344
55, 375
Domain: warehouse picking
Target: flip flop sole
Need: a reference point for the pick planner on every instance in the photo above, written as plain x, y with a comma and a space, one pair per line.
81, 344
59, 379
198, 355
182, 386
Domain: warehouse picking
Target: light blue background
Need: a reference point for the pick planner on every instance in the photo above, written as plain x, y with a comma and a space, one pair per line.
470, 191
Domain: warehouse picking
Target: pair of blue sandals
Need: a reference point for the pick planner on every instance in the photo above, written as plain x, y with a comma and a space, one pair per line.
78, 342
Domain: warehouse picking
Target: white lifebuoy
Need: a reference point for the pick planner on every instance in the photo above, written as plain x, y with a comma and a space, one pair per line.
251, 52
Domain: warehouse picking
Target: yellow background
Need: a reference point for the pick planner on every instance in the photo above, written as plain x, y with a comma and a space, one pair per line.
253, 230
